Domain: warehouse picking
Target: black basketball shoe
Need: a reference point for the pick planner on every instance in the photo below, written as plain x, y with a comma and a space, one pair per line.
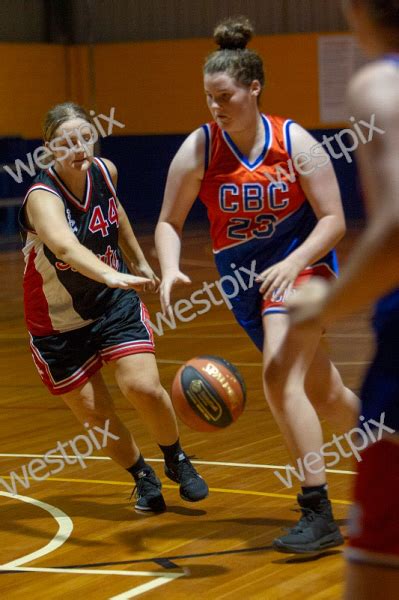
192, 487
148, 492
316, 530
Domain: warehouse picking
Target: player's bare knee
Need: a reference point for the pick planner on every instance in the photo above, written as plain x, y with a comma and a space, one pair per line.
275, 381
143, 391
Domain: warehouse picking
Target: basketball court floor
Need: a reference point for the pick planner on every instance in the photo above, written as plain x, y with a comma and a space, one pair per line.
75, 534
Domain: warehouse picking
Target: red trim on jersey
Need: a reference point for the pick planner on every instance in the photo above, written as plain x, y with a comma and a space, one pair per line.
71, 197
40, 186
34, 187
37, 315
105, 173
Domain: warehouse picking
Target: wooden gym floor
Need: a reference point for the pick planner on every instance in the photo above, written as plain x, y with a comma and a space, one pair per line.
75, 534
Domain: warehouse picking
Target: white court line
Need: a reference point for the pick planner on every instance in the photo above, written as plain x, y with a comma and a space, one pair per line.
195, 462
145, 587
65, 528
161, 578
93, 571
167, 361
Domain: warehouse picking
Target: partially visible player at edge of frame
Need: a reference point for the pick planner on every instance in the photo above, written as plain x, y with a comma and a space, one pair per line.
289, 229
82, 309
372, 275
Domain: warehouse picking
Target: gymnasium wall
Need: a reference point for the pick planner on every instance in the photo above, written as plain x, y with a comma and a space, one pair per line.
156, 91
155, 87
96, 21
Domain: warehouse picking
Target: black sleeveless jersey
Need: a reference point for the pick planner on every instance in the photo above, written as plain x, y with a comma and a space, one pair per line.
56, 297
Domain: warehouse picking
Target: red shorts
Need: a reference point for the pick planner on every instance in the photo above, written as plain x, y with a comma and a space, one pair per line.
374, 526
275, 304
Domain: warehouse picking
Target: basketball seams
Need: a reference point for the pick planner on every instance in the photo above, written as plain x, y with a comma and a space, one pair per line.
192, 374
208, 393
230, 367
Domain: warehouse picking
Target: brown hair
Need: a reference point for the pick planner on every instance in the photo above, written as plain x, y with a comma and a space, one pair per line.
59, 114
232, 36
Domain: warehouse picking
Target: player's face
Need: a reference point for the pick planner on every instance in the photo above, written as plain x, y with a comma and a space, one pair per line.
231, 103
73, 145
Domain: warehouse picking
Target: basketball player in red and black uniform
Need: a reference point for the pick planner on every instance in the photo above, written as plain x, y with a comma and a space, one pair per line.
280, 223
372, 275
82, 309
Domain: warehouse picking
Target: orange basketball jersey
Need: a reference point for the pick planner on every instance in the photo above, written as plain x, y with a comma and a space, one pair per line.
246, 201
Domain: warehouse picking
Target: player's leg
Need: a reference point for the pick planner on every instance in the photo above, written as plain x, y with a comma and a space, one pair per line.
91, 403
328, 394
286, 358
126, 340
288, 354
138, 378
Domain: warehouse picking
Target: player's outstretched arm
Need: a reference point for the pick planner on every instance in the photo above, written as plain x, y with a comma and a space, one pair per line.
127, 241
46, 215
182, 187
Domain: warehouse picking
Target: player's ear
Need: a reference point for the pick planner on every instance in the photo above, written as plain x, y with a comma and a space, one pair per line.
255, 88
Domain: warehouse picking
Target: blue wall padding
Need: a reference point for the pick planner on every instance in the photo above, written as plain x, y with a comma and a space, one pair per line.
143, 163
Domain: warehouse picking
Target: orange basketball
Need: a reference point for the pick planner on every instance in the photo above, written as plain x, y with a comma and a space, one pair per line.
208, 393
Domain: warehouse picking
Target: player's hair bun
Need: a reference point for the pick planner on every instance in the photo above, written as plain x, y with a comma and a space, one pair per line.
233, 33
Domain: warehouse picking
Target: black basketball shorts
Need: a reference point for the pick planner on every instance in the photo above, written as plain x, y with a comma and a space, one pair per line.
67, 360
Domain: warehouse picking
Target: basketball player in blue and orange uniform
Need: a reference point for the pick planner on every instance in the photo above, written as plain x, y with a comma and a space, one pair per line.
372, 275
279, 219
82, 309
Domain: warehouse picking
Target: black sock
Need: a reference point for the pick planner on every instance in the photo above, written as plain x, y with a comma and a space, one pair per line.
321, 489
171, 451
138, 466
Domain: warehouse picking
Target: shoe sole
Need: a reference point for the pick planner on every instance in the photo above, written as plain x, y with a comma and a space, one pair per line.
324, 544
191, 500
140, 509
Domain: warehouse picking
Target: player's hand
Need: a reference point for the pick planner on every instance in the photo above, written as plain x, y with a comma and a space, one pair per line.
306, 306
125, 281
169, 280
279, 278
144, 270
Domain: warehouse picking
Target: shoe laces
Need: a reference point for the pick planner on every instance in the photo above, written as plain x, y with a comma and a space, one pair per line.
144, 484
308, 516
185, 468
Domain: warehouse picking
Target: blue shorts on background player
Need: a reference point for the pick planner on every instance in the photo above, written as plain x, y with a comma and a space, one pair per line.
266, 208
